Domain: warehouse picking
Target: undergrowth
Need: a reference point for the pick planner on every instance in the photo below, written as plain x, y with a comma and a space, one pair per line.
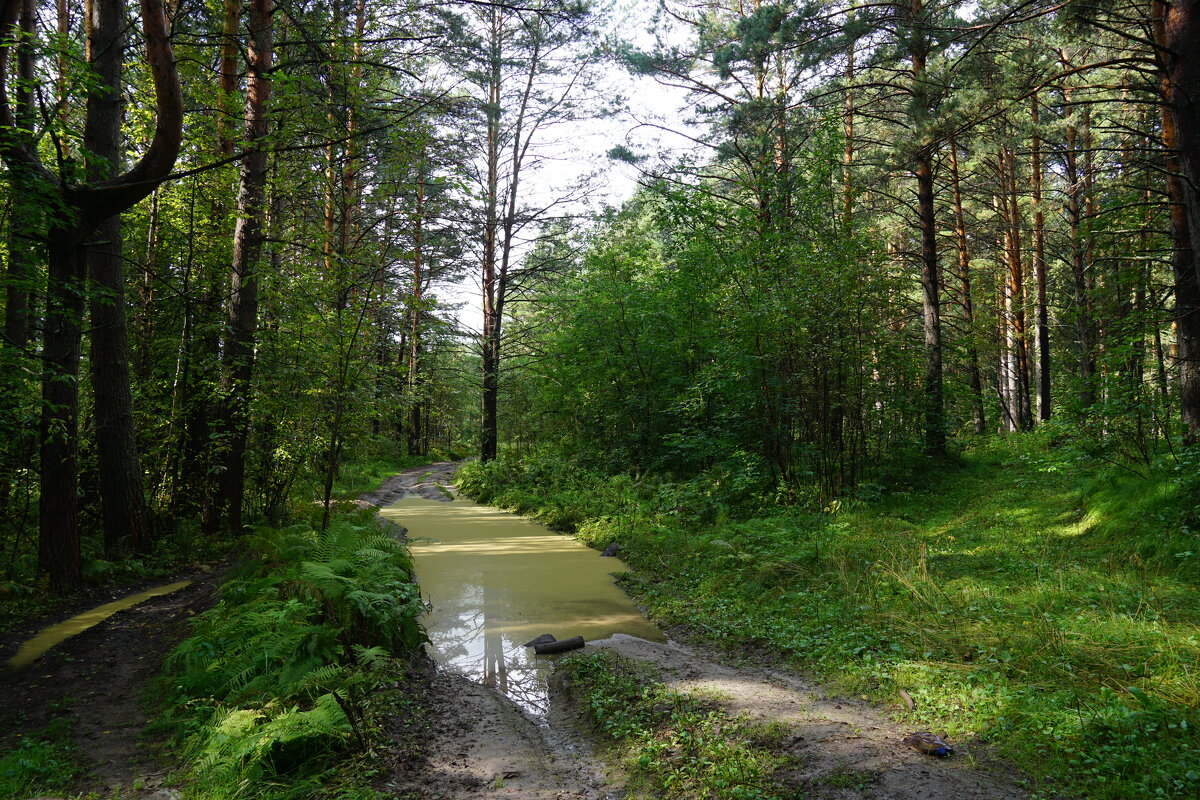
41, 763
177, 543
1031, 595
296, 666
674, 744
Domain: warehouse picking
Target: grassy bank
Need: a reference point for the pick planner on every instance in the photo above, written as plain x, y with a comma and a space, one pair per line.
674, 744
289, 678
1030, 595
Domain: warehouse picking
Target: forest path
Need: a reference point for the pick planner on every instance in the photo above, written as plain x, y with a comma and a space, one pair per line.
840, 749
94, 681
432, 481
478, 744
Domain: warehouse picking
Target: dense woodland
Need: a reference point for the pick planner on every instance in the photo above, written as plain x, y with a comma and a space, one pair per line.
901, 226
887, 368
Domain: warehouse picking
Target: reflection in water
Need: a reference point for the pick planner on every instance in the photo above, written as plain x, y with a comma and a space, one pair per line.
496, 580
48, 637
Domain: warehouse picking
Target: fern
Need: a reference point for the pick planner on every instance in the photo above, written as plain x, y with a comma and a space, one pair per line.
282, 672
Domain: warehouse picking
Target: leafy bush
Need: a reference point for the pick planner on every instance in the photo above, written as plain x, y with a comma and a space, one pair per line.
283, 672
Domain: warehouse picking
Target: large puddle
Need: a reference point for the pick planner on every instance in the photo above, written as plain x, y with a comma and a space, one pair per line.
496, 580
48, 637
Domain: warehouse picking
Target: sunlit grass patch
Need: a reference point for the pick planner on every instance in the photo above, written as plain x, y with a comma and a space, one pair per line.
676, 745
1024, 596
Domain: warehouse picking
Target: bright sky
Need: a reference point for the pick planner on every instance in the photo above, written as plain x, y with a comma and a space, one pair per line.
582, 147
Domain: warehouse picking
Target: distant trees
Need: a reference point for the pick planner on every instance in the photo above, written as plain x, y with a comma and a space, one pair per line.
1014, 247
527, 71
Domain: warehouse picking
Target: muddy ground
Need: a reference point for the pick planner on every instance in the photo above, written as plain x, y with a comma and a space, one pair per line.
475, 743
482, 746
95, 680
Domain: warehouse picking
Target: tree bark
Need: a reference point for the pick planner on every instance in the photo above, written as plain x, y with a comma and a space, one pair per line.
1177, 28
935, 413
935, 410
492, 290
1016, 290
414, 325
1044, 404
122, 498
1079, 266
848, 135
238, 356
964, 275
58, 510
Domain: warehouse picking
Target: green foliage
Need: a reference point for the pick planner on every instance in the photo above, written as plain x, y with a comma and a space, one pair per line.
674, 744
1033, 595
40, 763
285, 671
698, 332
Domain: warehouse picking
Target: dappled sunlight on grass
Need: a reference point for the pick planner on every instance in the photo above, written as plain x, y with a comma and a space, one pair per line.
1016, 597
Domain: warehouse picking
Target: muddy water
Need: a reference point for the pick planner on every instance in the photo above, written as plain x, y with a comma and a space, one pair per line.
48, 637
496, 580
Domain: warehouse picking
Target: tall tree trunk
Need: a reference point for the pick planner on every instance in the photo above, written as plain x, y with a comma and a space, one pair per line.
1177, 29
934, 402
414, 325
122, 497
204, 413
848, 134
238, 357
1016, 291
935, 413
58, 517
968, 307
1045, 407
1078, 254
490, 340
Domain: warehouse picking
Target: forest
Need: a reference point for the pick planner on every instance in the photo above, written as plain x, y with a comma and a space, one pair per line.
887, 364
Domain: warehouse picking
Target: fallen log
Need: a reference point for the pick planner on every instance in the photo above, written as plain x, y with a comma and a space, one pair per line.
545, 638
560, 646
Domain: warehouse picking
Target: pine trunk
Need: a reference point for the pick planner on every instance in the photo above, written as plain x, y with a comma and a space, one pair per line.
247, 248
1180, 55
968, 307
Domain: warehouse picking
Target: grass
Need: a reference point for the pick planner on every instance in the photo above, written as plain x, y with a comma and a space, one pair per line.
1027, 595
41, 763
674, 744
